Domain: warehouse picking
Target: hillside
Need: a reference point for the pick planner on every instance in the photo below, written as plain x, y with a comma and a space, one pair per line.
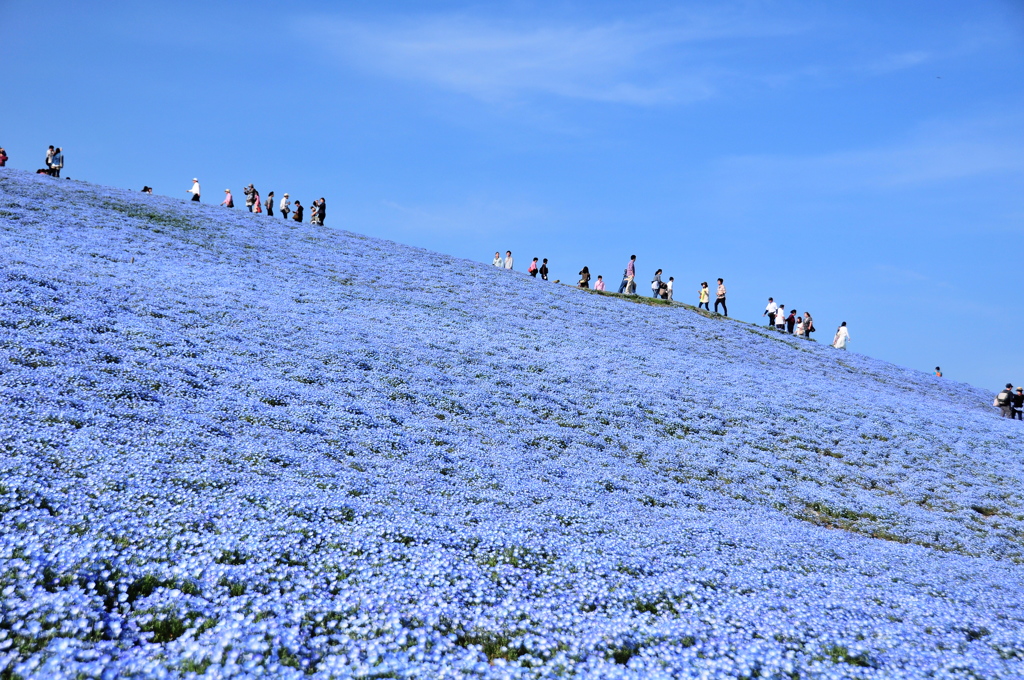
238, 446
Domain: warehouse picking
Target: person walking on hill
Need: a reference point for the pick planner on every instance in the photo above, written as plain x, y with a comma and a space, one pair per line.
285, 206
509, 262
628, 275
808, 325
705, 297
599, 284
1004, 400
229, 201
780, 318
498, 262
298, 212
270, 204
791, 323
769, 311
720, 297
671, 280
533, 268
544, 269
194, 190
57, 162
3, 158
656, 284
1018, 404
584, 278
842, 337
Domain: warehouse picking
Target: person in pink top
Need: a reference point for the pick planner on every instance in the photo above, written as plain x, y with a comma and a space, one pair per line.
600, 283
229, 201
257, 206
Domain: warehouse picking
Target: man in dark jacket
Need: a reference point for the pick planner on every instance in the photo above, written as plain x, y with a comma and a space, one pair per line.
1018, 404
1004, 400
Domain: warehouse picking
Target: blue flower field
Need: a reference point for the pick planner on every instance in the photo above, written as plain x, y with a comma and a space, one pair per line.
238, 447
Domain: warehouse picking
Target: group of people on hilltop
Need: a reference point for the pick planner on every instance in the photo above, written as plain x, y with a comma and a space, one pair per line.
801, 327
1011, 405
255, 204
54, 161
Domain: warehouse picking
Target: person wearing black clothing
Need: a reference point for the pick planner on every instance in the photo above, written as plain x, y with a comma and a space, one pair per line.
1018, 404
323, 211
585, 278
544, 270
298, 212
791, 322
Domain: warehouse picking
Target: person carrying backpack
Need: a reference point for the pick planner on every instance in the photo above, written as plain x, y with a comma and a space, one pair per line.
1004, 400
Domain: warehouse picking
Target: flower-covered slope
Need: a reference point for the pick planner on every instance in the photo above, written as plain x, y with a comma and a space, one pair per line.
240, 447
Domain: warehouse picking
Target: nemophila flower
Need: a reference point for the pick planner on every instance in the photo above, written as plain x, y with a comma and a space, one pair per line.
239, 447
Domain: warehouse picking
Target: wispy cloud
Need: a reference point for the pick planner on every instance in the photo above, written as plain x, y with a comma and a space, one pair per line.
937, 153
642, 62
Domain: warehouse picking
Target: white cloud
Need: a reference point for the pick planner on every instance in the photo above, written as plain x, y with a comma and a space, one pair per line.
639, 63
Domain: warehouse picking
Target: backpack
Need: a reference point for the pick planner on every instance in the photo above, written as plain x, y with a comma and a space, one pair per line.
1002, 399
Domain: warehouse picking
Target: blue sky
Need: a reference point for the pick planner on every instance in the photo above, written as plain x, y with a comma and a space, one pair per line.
864, 161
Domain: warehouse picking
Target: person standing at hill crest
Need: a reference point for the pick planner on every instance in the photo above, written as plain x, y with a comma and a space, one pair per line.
671, 280
544, 269
194, 190
3, 158
498, 262
229, 201
769, 311
656, 284
628, 275
584, 278
599, 284
509, 262
270, 204
791, 322
1018, 404
1004, 400
938, 372
57, 162
705, 297
285, 206
720, 297
298, 212
842, 337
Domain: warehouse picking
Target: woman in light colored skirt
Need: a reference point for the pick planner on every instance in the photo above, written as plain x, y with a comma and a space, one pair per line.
842, 337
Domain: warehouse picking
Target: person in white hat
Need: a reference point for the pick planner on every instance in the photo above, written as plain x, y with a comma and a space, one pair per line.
285, 208
229, 201
195, 189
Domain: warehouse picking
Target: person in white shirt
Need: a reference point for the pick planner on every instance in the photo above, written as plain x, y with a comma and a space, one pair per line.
498, 262
508, 260
670, 281
285, 206
780, 318
842, 337
194, 190
769, 311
